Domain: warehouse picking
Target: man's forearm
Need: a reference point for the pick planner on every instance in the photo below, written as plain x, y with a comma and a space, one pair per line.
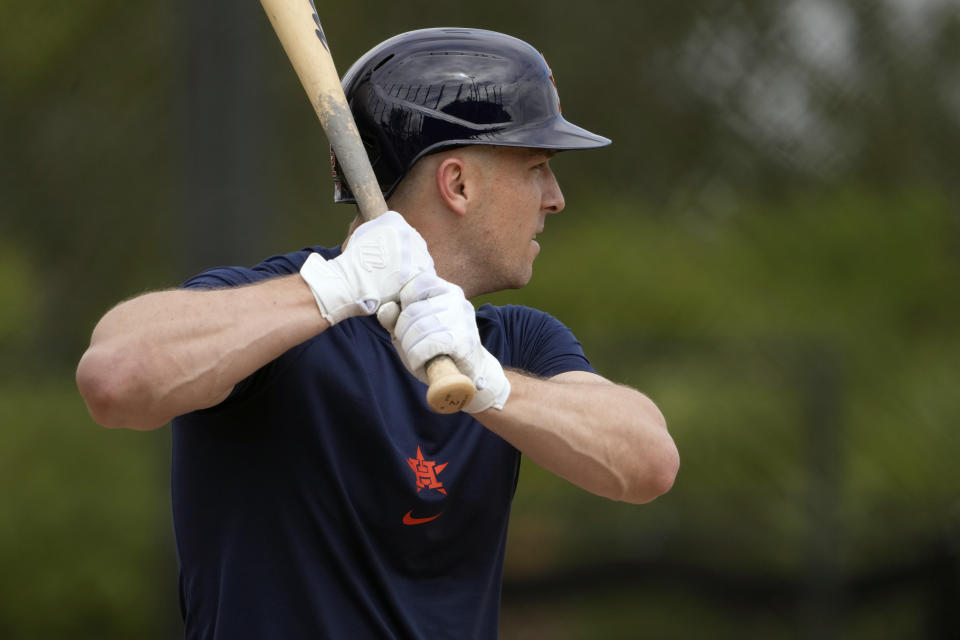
166, 353
608, 439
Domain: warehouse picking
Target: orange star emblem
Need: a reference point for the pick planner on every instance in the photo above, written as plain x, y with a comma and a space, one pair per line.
426, 472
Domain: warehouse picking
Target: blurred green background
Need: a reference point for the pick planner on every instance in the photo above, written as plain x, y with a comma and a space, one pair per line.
770, 250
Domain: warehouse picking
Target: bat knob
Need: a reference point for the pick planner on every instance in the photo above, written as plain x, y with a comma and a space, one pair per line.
450, 391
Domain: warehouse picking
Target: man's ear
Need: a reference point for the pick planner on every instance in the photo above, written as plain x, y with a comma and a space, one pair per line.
451, 183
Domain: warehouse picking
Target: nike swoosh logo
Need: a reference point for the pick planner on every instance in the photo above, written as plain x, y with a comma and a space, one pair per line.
408, 519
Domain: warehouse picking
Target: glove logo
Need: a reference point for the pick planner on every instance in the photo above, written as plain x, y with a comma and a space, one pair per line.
425, 472
373, 253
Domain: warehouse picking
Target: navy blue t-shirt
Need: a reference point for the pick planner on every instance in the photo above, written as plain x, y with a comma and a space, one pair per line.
324, 499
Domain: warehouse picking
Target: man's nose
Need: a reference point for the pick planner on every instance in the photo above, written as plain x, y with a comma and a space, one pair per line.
553, 201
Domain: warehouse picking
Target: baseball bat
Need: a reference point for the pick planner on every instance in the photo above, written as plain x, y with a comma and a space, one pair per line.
297, 24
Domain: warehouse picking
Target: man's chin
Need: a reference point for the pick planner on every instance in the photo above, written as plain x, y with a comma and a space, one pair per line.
522, 280
507, 284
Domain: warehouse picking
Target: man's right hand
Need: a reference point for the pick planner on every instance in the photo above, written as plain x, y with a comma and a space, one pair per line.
380, 258
436, 319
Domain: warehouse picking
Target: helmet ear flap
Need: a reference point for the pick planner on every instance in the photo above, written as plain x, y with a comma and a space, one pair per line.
376, 150
383, 154
341, 190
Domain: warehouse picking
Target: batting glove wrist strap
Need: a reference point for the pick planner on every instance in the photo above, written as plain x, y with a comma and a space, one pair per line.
335, 297
381, 256
492, 385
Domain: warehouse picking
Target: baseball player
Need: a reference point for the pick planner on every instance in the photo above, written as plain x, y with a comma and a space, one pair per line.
315, 494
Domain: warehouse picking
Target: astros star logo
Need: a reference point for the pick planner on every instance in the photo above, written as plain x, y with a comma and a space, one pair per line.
426, 472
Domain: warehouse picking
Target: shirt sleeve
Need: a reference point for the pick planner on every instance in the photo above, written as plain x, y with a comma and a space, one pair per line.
540, 344
225, 277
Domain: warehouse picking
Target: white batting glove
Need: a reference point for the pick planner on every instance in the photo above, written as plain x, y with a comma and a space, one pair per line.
381, 256
437, 319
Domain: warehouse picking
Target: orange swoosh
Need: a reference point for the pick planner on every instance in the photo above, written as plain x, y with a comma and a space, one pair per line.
408, 519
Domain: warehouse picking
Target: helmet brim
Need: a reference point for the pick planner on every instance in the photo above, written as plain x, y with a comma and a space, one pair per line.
556, 133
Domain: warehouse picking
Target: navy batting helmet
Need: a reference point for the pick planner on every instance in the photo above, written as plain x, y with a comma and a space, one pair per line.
433, 89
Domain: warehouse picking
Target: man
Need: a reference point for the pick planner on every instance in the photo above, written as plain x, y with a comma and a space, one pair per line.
314, 492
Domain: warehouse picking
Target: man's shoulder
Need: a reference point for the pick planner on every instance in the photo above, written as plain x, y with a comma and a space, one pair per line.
516, 322
530, 339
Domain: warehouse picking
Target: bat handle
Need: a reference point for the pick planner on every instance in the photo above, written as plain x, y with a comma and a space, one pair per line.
449, 389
